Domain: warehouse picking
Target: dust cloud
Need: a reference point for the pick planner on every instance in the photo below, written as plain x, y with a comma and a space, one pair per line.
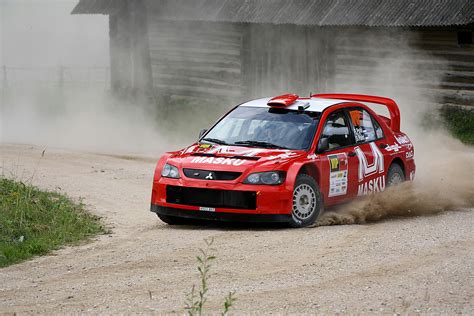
90, 118
86, 120
444, 178
55, 85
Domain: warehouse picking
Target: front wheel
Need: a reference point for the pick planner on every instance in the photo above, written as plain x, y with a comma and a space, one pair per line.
307, 202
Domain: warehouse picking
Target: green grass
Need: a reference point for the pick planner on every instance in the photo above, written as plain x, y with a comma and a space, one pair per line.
35, 222
460, 122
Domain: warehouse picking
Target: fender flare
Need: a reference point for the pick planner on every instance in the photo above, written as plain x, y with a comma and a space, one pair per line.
294, 170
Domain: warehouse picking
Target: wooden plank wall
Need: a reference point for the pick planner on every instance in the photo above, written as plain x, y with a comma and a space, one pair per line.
194, 60
129, 52
286, 59
417, 66
215, 61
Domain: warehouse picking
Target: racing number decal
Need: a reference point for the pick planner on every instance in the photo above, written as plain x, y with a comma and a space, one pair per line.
338, 169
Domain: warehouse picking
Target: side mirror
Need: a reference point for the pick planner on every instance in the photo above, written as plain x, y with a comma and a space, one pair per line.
323, 145
202, 132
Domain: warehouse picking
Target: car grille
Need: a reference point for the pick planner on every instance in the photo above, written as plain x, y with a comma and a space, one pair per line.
211, 175
211, 198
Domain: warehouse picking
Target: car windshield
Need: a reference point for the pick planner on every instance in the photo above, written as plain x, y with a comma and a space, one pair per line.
265, 127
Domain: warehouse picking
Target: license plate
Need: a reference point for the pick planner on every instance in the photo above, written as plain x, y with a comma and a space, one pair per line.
207, 209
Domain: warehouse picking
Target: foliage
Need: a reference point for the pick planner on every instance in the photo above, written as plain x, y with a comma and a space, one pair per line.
460, 122
34, 222
195, 301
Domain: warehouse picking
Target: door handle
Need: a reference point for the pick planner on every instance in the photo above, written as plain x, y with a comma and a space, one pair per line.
383, 146
351, 154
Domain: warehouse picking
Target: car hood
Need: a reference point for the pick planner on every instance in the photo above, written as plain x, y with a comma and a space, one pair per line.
231, 158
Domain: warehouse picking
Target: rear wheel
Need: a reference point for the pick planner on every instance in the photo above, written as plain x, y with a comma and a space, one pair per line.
307, 202
395, 175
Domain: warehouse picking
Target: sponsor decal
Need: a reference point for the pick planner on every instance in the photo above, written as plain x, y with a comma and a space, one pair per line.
285, 155
205, 146
312, 157
209, 176
251, 152
359, 134
338, 168
409, 154
372, 186
412, 175
190, 149
394, 147
207, 209
221, 150
218, 161
366, 169
402, 139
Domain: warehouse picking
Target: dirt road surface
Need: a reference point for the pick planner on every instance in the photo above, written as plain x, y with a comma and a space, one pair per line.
421, 264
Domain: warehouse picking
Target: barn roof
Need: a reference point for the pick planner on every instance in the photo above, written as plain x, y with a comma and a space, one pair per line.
302, 12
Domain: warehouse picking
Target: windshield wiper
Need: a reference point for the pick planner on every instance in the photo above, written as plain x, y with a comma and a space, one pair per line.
215, 140
259, 143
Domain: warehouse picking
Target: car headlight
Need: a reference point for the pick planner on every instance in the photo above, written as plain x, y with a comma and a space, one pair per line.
170, 171
270, 178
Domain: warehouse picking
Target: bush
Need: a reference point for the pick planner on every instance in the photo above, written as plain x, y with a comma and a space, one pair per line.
460, 122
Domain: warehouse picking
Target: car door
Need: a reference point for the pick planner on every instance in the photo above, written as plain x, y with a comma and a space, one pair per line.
368, 143
339, 164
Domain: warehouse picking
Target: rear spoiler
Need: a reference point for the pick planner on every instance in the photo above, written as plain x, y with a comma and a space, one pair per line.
389, 103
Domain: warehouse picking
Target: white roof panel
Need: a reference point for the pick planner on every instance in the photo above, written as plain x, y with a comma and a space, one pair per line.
315, 104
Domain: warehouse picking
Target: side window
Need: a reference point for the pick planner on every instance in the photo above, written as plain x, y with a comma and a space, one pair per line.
336, 130
364, 130
378, 130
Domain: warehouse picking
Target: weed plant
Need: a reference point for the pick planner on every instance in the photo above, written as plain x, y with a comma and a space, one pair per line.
196, 299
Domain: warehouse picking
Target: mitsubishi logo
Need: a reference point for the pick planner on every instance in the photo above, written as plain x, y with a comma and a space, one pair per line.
209, 176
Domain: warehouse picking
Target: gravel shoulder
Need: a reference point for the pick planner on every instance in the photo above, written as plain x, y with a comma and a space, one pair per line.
420, 264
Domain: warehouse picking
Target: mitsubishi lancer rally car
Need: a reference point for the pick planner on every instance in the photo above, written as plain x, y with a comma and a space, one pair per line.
284, 159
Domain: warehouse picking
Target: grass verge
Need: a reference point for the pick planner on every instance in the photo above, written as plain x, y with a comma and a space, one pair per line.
34, 222
460, 122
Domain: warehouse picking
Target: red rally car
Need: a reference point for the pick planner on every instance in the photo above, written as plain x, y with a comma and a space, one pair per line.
283, 159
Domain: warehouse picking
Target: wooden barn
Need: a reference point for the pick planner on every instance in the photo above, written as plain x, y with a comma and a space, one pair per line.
239, 49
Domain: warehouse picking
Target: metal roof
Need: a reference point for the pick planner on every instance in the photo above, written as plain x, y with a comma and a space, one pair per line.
315, 104
99, 6
303, 12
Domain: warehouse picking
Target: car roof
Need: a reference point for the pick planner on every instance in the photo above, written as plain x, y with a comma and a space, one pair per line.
315, 104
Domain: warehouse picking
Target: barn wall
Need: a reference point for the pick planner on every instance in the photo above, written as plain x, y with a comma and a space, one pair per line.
419, 66
232, 61
129, 52
286, 58
194, 60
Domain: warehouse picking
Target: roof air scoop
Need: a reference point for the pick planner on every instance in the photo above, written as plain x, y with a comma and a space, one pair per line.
283, 100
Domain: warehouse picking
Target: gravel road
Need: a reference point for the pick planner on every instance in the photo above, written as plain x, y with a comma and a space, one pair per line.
420, 264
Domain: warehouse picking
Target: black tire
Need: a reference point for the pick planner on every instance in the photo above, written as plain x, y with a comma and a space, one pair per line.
307, 202
395, 175
172, 220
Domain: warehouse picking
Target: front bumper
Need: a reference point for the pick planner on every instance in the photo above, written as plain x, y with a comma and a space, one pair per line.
221, 216
221, 197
